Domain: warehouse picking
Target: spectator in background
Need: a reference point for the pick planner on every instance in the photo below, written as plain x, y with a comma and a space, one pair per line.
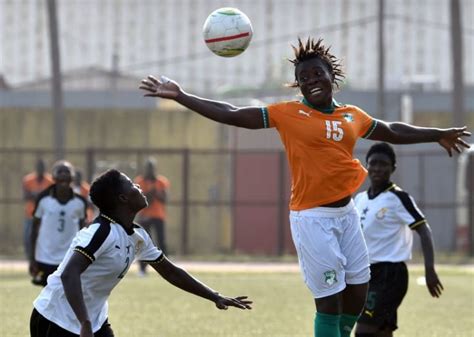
82, 187
152, 218
59, 214
33, 184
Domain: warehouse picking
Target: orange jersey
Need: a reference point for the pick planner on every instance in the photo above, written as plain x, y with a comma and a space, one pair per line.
32, 185
155, 209
319, 149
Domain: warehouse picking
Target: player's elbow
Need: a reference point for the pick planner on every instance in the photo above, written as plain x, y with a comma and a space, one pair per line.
66, 278
69, 275
171, 273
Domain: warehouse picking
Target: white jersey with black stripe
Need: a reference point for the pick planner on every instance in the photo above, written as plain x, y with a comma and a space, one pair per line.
59, 224
387, 221
111, 251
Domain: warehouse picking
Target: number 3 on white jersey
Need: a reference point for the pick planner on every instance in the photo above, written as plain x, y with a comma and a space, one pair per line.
334, 131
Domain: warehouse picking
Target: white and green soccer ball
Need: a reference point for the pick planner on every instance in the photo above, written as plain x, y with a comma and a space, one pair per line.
227, 32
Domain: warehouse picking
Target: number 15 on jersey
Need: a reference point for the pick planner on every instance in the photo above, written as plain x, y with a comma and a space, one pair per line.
334, 131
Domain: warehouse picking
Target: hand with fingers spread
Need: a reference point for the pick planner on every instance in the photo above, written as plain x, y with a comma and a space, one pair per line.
433, 283
164, 87
240, 302
451, 139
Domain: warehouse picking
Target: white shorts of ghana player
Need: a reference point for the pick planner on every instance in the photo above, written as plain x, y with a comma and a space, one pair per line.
331, 248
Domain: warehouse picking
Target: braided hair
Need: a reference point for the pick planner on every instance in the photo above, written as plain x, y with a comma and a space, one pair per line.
311, 50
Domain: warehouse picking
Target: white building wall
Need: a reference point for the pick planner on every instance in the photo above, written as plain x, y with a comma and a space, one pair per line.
151, 36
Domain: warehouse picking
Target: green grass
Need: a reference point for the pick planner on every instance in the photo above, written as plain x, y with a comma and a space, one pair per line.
283, 306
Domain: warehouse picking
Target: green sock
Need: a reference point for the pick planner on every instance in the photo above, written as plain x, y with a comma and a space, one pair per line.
346, 324
326, 325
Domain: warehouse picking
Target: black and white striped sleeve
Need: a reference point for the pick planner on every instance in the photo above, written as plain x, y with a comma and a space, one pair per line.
408, 211
93, 240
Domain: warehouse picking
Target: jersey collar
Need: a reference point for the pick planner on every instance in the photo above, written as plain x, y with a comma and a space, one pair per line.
327, 110
129, 231
388, 187
53, 192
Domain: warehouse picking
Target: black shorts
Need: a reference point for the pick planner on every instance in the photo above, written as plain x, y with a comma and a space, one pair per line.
42, 327
387, 288
44, 270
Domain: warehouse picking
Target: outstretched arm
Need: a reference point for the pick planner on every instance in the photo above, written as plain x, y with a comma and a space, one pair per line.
401, 133
181, 279
222, 112
432, 281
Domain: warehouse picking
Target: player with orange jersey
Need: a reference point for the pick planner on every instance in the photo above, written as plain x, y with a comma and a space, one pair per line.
319, 135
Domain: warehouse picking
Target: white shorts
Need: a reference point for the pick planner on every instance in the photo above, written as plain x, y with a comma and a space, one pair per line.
331, 248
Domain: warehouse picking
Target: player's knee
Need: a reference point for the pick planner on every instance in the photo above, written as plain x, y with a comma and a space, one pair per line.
330, 304
355, 296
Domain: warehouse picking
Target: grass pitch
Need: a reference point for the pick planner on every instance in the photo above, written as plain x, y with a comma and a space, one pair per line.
282, 306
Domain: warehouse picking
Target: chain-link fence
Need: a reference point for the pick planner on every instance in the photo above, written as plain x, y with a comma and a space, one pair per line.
233, 201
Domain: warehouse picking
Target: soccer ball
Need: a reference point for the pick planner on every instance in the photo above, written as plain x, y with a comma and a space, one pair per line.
227, 32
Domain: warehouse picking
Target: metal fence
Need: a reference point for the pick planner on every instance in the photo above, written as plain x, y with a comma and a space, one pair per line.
224, 201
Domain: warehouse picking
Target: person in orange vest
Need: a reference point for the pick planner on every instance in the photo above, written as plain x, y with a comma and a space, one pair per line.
33, 184
82, 188
152, 218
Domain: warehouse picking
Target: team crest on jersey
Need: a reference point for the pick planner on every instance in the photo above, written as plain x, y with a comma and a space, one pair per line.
138, 246
348, 117
381, 213
330, 277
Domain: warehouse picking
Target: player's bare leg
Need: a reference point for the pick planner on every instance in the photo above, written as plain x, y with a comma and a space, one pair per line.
353, 301
331, 305
353, 298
